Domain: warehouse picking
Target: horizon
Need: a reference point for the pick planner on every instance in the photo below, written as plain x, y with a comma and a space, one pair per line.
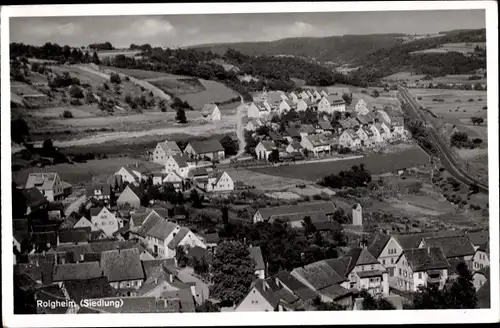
181, 31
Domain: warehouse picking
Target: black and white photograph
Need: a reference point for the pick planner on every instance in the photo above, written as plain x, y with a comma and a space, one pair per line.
235, 158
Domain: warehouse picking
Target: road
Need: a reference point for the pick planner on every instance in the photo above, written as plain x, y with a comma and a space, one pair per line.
444, 152
240, 129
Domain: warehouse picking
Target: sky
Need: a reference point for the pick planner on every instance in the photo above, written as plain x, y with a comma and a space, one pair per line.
185, 30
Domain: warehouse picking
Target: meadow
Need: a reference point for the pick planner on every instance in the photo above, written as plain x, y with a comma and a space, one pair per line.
375, 163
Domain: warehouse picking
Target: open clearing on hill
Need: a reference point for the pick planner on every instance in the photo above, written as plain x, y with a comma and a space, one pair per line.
214, 92
263, 181
463, 47
374, 163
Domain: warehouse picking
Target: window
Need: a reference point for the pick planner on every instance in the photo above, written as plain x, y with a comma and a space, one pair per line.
420, 275
404, 273
372, 267
400, 272
392, 261
383, 262
480, 282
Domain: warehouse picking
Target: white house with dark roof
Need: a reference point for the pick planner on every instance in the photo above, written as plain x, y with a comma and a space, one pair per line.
185, 238
131, 196
258, 110
220, 181
123, 268
100, 191
211, 112
349, 139
378, 133
158, 236
174, 179
164, 150
330, 104
264, 149
211, 149
127, 175
361, 107
421, 267
286, 105
49, 184
454, 247
316, 144
260, 298
103, 219
178, 164
266, 214
366, 136
481, 242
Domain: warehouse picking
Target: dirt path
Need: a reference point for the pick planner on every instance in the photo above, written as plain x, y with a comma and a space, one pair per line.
240, 132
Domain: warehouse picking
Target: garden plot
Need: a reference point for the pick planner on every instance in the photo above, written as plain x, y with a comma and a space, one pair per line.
265, 181
76, 112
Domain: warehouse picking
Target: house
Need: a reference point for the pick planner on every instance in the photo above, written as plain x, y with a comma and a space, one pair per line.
302, 105
158, 177
74, 236
479, 278
99, 191
453, 247
260, 267
277, 138
260, 298
316, 95
178, 164
325, 281
75, 220
157, 235
253, 124
49, 184
211, 112
294, 147
265, 214
379, 135
480, 241
383, 117
330, 104
210, 239
304, 95
123, 268
174, 179
366, 136
293, 97
274, 98
164, 150
360, 108
184, 238
132, 195
366, 120
286, 105
76, 271
306, 129
258, 110
127, 175
301, 293
103, 219
79, 290
220, 181
324, 127
349, 139
264, 149
323, 91
357, 215
387, 131
211, 149
421, 267
398, 128
316, 144
292, 134
35, 200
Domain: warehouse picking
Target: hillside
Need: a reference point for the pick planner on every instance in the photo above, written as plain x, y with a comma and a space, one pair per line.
338, 49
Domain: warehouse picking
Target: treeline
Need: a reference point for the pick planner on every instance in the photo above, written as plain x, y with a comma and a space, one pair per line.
143, 47
102, 46
53, 51
357, 176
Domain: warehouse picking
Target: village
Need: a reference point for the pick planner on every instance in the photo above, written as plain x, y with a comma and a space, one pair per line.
154, 238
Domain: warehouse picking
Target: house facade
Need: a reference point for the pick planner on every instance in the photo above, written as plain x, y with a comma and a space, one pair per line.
177, 164
316, 144
164, 150
258, 110
211, 112
220, 182
127, 175
360, 107
260, 298
330, 104
102, 219
350, 139
302, 105
175, 179
210, 149
264, 149
130, 197
49, 184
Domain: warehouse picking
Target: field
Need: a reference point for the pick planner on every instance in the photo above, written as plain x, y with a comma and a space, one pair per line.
77, 112
414, 78
456, 104
263, 181
404, 76
214, 92
177, 86
464, 48
80, 173
24, 90
375, 163
113, 53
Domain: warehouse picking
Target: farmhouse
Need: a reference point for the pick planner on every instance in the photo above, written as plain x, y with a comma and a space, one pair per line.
349, 139
453, 247
360, 108
159, 235
99, 192
123, 268
330, 104
211, 149
131, 196
220, 181
127, 175
421, 266
260, 298
178, 164
175, 179
286, 105
49, 184
258, 110
253, 124
266, 213
164, 150
185, 238
211, 112
317, 144
366, 136
264, 149
35, 201
103, 219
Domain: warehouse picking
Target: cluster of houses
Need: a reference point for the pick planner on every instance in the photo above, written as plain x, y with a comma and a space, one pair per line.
364, 128
389, 266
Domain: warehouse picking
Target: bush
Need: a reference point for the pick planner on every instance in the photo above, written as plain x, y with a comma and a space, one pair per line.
115, 78
75, 102
67, 114
471, 100
76, 92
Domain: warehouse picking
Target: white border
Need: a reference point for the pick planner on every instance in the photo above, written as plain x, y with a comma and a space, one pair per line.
274, 318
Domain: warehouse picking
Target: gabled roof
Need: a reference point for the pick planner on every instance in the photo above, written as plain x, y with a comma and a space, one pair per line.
211, 238
183, 296
292, 132
256, 255
208, 109
122, 265
341, 265
298, 288
307, 128
332, 99
407, 241
138, 217
274, 97
325, 125
479, 239
453, 246
44, 181
290, 103
335, 291
149, 222
360, 256
34, 197
325, 206
70, 221
421, 259
162, 229
178, 237
377, 244
317, 140
94, 211
265, 290
137, 190
268, 145
77, 271
319, 274
199, 253
77, 235
169, 146
103, 187
275, 136
89, 288
206, 146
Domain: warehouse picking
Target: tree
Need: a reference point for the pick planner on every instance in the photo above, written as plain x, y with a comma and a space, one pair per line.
462, 294
477, 120
375, 94
181, 116
95, 58
115, 78
347, 98
180, 256
207, 306
195, 198
225, 214
76, 92
67, 114
19, 205
308, 226
18, 130
370, 303
274, 156
48, 147
233, 272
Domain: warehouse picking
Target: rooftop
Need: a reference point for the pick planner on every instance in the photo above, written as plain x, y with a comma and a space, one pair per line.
77, 271
122, 265
422, 259
256, 255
